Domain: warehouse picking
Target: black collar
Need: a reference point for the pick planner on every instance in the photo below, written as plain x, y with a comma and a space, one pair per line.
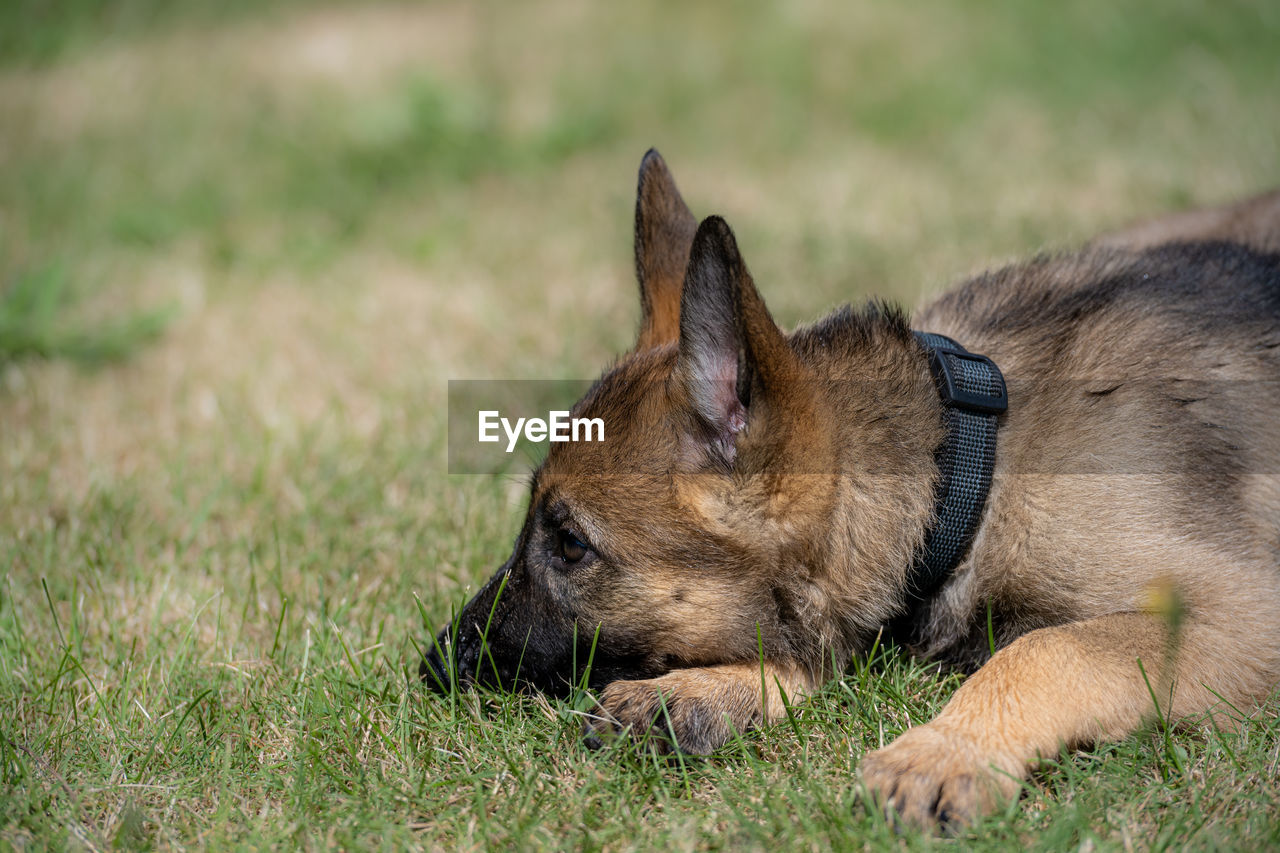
973, 396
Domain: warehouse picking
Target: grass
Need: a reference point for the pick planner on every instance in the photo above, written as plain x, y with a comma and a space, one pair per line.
43, 31
214, 551
33, 311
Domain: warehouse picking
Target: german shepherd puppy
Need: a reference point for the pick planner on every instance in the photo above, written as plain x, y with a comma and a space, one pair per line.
752, 518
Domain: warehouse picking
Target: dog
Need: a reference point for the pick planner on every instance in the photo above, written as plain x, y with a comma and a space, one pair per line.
760, 508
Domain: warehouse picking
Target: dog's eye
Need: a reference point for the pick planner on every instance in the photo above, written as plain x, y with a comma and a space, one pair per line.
569, 547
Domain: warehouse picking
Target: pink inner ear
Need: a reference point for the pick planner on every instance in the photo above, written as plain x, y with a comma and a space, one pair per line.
733, 424
731, 416
715, 396
737, 416
725, 410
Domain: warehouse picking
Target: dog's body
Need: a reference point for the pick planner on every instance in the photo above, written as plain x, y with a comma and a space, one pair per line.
755, 512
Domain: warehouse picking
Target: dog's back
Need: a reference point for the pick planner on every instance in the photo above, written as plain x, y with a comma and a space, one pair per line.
1140, 445
1254, 223
1130, 546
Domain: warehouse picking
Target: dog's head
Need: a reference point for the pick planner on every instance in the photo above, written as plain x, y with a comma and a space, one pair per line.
678, 540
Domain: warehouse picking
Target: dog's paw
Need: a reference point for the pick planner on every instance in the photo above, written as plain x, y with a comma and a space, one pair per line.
691, 711
932, 777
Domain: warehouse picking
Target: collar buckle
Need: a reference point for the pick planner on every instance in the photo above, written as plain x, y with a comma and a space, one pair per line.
968, 381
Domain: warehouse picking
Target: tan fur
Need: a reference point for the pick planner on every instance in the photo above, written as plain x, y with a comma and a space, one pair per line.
762, 491
664, 232
676, 704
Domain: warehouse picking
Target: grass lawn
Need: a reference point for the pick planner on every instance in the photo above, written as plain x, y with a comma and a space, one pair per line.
244, 246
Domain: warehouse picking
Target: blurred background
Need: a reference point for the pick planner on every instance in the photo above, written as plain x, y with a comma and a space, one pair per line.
245, 243
281, 208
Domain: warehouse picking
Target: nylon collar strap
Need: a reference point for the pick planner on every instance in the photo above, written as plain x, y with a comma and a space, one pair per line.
973, 396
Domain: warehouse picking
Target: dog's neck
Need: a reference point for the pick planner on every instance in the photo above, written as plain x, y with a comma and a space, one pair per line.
897, 435
875, 406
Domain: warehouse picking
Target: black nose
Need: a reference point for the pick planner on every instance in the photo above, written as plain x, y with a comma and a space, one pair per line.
439, 666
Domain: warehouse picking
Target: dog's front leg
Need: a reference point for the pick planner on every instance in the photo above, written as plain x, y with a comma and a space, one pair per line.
697, 710
1065, 686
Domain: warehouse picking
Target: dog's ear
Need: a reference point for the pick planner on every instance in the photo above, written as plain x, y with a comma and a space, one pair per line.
664, 233
735, 364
